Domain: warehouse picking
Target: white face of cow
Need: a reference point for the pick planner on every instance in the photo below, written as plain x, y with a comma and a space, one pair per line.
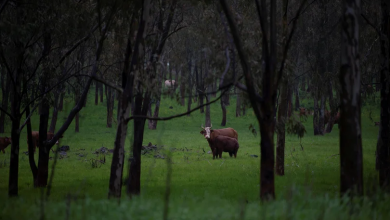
207, 132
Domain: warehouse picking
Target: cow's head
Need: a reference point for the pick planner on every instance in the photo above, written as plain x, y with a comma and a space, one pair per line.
206, 131
7, 140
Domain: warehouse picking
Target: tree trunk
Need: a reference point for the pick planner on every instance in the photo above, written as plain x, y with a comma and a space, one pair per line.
321, 120
223, 107
316, 116
101, 91
61, 104
55, 112
31, 160
281, 129
238, 104
134, 187
182, 88
96, 92
333, 108
296, 92
77, 122
351, 158
289, 101
383, 145
110, 107
4, 102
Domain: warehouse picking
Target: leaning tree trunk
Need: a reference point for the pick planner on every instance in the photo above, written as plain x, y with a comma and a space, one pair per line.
281, 129
55, 112
351, 158
383, 145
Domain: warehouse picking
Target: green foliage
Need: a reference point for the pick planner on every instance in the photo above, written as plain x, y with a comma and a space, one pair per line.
295, 126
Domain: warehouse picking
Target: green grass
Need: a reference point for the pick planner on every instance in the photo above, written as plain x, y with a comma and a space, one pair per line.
200, 186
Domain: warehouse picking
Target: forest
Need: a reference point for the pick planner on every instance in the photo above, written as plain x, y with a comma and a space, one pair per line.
168, 109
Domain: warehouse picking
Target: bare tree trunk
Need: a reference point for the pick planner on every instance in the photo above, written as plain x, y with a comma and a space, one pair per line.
43, 161
223, 107
296, 92
238, 104
351, 158
316, 116
281, 129
96, 92
110, 107
55, 112
182, 88
4, 103
31, 160
77, 119
101, 91
383, 145
321, 120
334, 109
61, 104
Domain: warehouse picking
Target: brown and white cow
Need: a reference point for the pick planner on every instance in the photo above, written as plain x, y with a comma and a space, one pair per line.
35, 138
4, 142
212, 134
169, 83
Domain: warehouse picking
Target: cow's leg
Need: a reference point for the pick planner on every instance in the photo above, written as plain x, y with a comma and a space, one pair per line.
230, 154
220, 153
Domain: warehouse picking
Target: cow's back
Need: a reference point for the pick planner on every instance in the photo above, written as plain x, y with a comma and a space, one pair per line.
229, 132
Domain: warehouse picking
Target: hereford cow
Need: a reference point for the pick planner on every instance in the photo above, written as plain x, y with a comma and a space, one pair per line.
169, 83
212, 134
35, 138
225, 144
4, 142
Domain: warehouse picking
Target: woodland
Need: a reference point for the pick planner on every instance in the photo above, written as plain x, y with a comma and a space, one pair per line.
305, 83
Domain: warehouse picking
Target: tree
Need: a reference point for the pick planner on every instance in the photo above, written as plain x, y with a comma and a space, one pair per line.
351, 158
264, 105
383, 145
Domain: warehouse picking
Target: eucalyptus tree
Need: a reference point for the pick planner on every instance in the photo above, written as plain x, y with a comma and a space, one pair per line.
264, 105
351, 155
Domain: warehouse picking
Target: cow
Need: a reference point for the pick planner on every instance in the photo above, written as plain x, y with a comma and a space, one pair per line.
224, 144
169, 83
4, 142
303, 112
211, 134
35, 138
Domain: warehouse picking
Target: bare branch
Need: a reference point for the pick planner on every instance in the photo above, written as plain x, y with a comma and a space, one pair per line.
29, 116
7, 113
371, 24
287, 46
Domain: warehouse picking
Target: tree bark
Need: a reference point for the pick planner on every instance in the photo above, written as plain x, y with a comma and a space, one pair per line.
55, 112
238, 104
4, 103
316, 116
383, 145
182, 88
110, 107
351, 158
96, 92
61, 104
296, 92
281, 129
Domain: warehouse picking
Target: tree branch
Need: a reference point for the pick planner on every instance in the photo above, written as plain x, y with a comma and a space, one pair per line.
287, 46
7, 113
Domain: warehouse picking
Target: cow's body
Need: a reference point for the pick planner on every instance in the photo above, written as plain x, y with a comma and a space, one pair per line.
4, 142
217, 145
169, 83
223, 144
35, 138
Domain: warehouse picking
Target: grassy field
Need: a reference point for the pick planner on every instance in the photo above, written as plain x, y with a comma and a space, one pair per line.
201, 188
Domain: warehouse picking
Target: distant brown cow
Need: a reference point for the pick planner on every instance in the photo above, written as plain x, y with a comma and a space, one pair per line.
224, 144
35, 138
212, 134
303, 112
4, 142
